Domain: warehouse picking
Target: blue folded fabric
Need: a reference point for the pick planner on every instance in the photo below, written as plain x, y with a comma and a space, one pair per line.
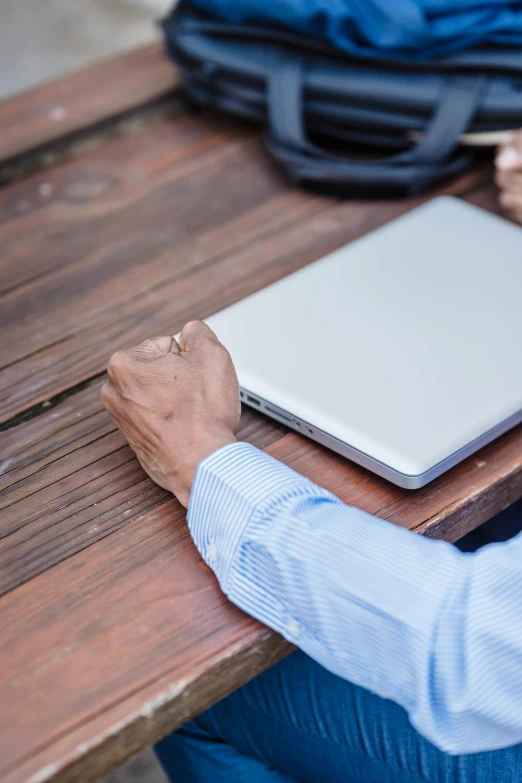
412, 29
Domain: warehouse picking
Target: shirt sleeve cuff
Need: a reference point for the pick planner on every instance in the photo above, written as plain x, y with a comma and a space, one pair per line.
232, 485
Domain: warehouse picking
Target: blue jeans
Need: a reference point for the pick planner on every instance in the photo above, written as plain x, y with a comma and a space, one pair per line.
299, 722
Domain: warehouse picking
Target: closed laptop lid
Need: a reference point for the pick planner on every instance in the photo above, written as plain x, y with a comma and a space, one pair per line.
404, 344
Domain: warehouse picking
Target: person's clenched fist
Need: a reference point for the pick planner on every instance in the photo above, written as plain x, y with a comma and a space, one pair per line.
509, 176
175, 403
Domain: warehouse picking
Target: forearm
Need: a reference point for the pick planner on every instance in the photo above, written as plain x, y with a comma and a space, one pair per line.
376, 604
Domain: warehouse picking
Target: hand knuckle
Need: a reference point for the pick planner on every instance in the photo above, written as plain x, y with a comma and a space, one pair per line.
116, 362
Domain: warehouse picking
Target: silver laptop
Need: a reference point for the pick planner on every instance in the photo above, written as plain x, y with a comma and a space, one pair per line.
401, 351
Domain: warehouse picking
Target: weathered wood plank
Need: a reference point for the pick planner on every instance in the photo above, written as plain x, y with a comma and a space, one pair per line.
79, 213
107, 651
105, 90
68, 478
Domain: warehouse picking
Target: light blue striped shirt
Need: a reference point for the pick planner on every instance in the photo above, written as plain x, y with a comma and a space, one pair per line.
414, 620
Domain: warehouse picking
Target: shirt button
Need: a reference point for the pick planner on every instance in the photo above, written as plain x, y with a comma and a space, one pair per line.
293, 628
212, 553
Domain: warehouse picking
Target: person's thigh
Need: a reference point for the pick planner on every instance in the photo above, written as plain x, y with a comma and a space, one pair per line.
310, 725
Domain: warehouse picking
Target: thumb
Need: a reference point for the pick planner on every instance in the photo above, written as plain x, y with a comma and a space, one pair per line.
194, 331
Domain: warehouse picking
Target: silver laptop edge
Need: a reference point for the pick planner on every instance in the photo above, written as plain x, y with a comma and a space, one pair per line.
256, 402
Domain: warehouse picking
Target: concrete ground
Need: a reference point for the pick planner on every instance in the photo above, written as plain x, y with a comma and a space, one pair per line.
43, 39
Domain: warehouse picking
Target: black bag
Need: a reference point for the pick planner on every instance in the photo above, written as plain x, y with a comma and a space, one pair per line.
303, 90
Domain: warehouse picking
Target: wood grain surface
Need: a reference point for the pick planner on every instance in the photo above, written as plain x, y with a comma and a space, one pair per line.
109, 650
78, 101
68, 478
112, 630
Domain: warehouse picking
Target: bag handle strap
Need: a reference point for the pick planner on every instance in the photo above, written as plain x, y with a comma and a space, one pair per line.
433, 157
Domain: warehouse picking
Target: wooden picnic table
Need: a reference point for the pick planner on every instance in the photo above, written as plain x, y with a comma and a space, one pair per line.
122, 215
